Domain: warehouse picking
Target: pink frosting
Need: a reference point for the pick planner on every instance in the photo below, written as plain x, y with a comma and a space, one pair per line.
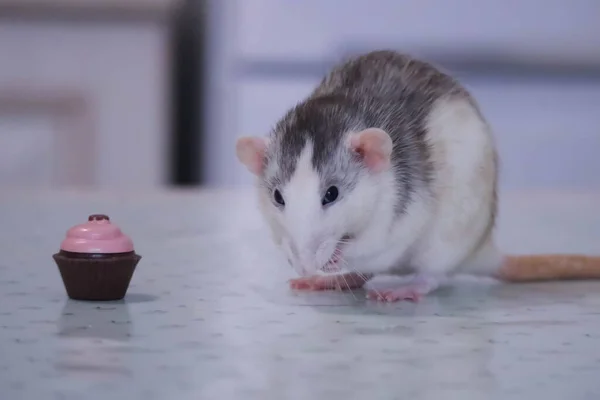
97, 235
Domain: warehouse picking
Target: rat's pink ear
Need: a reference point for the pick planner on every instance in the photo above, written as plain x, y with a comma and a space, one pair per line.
374, 145
250, 150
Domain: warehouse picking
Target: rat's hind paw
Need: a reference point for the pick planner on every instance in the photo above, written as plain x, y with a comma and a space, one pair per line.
407, 293
420, 286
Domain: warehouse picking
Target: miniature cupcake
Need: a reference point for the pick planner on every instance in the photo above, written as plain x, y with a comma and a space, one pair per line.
96, 260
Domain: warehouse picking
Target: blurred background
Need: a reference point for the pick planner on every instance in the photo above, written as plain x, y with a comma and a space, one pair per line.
147, 94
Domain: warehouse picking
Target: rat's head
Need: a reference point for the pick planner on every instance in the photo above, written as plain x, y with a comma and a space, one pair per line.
321, 175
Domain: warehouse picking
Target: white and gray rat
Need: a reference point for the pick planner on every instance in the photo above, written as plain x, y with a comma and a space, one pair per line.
388, 166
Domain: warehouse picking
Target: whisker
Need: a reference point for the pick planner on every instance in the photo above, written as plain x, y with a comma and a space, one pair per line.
364, 277
361, 275
344, 266
343, 262
348, 286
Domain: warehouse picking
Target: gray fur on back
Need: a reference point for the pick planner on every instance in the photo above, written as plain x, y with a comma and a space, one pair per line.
381, 89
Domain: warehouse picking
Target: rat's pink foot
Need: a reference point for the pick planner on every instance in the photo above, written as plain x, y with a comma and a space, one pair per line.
408, 293
329, 282
414, 291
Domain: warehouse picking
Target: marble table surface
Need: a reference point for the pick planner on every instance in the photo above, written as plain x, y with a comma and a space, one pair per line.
209, 315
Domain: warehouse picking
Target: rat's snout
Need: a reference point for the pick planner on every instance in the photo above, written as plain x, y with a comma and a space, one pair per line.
293, 257
307, 263
302, 256
310, 256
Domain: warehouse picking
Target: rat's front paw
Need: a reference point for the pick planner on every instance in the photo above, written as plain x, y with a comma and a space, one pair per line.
308, 283
314, 283
329, 282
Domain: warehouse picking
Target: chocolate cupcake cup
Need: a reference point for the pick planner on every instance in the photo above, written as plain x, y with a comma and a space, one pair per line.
96, 277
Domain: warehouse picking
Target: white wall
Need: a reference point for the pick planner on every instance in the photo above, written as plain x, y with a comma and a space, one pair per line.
552, 29
84, 104
546, 131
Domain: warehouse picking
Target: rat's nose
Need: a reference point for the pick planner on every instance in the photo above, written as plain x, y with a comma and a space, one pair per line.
308, 263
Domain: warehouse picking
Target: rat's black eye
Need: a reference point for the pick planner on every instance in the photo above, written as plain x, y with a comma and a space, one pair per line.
331, 195
278, 197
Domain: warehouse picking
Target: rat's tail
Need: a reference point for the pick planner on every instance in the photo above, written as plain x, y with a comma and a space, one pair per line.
548, 267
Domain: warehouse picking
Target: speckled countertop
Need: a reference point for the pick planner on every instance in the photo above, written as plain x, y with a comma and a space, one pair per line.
209, 316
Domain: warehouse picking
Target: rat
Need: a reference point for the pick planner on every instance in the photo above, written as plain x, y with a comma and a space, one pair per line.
388, 167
